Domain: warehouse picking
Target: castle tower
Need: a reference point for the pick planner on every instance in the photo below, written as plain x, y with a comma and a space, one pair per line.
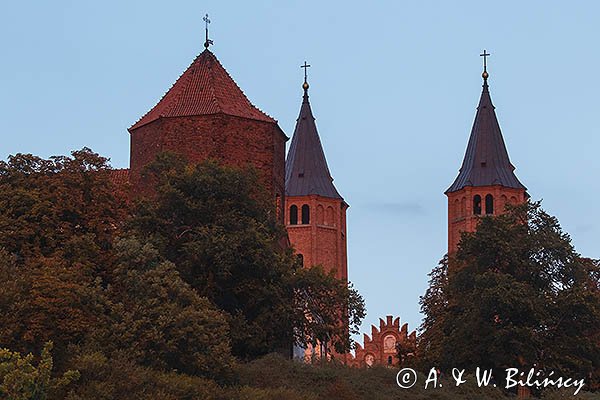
205, 115
315, 214
486, 181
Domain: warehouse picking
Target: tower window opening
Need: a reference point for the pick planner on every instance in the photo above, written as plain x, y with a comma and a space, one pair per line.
477, 205
305, 214
489, 204
294, 215
390, 360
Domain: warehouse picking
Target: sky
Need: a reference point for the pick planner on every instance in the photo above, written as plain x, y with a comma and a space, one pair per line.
393, 85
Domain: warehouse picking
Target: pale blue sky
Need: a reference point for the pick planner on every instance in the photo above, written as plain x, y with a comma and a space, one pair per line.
394, 86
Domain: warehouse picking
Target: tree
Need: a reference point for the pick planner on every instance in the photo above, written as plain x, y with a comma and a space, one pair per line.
217, 225
59, 220
62, 207
516, 294
20, 379
64, 280
322, 304
160, 320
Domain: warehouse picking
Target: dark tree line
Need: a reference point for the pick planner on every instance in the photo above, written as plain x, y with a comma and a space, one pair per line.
157, 295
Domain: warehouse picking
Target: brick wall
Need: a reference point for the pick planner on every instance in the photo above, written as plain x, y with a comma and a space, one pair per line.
461, 215
231, 140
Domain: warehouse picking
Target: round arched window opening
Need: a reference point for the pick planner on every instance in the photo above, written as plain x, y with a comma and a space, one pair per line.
294, 215
477, 205
489, 204
305, 214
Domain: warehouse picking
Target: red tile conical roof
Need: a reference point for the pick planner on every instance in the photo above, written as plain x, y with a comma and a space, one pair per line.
205, 88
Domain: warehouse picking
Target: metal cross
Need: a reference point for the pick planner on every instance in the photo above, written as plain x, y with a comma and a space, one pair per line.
305, 66
485, 55
208, 42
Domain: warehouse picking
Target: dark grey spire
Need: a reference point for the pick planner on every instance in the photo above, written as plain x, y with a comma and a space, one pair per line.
486, 161
306, 170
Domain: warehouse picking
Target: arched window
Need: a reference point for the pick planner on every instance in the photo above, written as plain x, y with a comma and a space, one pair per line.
489, 204
477, 205
294, 215
390, 360
305, 214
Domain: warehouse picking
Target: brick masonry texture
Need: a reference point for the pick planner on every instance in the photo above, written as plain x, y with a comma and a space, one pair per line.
231, 140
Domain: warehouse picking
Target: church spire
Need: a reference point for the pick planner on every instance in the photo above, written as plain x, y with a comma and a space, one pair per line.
486, 161
306, 170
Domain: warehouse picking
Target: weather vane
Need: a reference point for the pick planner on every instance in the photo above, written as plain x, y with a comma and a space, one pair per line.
208, 42
485, 55
305, 66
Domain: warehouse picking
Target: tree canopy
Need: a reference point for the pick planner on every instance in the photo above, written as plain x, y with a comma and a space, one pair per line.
151, 298
515, 294
217, 225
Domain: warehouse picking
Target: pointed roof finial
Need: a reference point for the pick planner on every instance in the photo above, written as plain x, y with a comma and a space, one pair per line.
207, 42
485, 74
305, 84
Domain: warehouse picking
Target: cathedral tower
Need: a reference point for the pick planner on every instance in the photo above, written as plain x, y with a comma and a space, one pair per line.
205, 115
315, 214
486, 181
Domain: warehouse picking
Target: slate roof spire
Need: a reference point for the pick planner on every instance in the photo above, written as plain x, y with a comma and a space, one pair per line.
306, 170
486, 161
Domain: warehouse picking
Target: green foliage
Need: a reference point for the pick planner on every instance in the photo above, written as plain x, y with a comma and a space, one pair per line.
217, 225
64, 280
516, 295
58, 222
120, 378
328, 301
333, 381
47, 301
150, 311
20, 379
161, 320
63, 207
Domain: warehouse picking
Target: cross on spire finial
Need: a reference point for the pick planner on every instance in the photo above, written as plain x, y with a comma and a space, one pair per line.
485, 55
207, 42
305, 66
305, 84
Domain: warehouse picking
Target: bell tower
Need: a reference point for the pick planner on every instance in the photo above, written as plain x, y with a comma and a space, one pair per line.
486, 181
315, 215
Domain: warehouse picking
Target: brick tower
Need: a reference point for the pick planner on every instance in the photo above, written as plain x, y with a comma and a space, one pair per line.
486, 181
315, 214
205, 115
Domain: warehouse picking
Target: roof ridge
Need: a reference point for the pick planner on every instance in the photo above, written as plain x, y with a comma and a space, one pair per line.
211, 78
204, 88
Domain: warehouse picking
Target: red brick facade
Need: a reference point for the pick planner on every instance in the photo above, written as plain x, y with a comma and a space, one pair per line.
464, 214
231, 140
205, 115
321, 241
382, 347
